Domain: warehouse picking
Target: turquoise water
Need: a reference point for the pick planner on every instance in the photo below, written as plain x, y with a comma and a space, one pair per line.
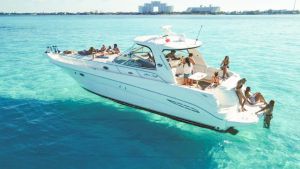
48, 121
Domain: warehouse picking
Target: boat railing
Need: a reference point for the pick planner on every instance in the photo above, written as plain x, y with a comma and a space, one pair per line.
53, 49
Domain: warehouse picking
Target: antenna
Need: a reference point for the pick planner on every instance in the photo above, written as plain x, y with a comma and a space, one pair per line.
198, 34
167, 30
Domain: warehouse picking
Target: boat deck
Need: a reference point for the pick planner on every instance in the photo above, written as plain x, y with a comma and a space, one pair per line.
96, 58
235, 115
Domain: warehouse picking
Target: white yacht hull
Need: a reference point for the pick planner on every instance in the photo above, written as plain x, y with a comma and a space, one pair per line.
158, 96
146, 97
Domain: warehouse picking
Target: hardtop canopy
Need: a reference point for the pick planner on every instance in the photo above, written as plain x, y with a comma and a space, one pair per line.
168, 42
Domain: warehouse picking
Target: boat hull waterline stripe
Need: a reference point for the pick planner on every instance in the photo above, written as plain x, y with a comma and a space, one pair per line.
183, 106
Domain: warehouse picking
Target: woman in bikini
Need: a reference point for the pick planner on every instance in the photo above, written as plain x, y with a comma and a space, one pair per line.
100, 52
103, 48
239, 93
215, 81
254, 98
109, 51
268, 114
224, 66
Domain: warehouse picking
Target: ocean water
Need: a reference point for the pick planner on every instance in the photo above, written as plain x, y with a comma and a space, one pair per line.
48, 121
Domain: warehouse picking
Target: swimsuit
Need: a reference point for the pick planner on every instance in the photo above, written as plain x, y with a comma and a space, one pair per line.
225, 65
252, 99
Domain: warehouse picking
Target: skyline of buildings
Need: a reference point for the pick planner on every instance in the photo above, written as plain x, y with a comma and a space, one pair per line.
204, 9
159, 7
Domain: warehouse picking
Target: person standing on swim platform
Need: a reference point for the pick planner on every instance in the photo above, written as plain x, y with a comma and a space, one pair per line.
268, 113
239, 93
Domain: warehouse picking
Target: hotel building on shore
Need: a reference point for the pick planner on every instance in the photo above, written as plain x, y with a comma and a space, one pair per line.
204, 9
156, 7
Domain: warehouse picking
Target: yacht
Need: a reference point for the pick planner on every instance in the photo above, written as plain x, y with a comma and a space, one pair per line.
143, 76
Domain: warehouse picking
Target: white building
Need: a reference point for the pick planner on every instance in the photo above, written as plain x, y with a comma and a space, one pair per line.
204, 9
155, 7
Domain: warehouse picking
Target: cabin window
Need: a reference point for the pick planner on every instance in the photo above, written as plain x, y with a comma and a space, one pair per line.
138, 56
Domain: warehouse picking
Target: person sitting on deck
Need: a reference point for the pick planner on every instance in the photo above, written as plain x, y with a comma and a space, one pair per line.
239, 93
254, 98
150, 58
171, 55
87, 52
100, 52
66, 52
268, 113
92, 51
215, 81
102, 49
116, 50
109, 50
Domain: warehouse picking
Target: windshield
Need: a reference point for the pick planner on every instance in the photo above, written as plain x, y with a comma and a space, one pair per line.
137, 56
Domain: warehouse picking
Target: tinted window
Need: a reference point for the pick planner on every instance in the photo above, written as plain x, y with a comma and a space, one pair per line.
137, 56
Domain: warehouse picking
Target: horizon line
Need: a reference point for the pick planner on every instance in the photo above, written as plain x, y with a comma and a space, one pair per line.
99, 11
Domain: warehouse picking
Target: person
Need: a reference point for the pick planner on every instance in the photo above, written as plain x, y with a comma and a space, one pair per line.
224, 66
239, 93
116, 50
187, 70
101, 52
92, 50
150, 58
268, 113
109, 50
191, 58
188, 63
254, 98
103, 48
66, 52
171, 55
215, 81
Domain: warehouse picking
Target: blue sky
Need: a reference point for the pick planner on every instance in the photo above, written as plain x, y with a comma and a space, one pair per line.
131, 5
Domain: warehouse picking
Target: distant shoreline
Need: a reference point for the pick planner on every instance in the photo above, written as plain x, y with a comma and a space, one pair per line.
268, 12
